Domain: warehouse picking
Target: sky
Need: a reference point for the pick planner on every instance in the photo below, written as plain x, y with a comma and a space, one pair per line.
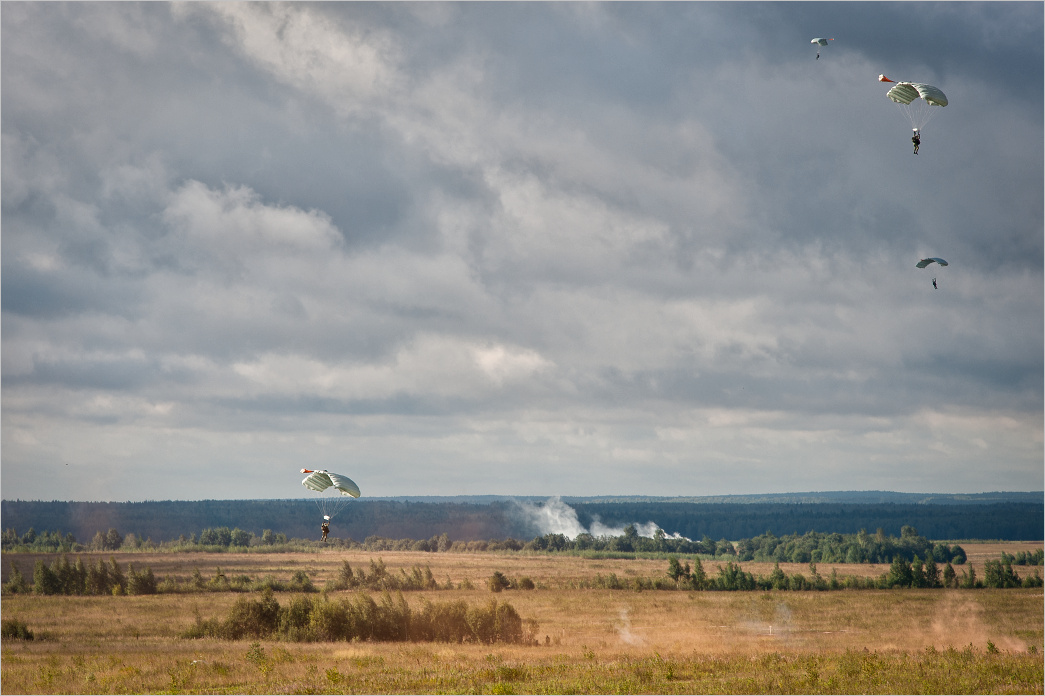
518, 249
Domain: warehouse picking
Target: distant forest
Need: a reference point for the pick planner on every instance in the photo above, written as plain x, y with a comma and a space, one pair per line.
502, 518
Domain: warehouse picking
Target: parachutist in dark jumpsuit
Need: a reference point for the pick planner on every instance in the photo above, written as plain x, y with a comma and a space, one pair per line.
934, 284
917, 140
326, 529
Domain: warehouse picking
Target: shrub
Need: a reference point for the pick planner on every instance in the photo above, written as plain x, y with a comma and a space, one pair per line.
15, 629
140, 583
498, 582
301, 582
256, 618
16, 583
445, 622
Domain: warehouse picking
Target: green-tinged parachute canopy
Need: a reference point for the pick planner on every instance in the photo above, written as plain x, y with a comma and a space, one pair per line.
932, 259
818, 42
333, 490
917, 100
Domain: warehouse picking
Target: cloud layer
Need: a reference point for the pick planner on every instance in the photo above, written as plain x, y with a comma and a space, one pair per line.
536, 249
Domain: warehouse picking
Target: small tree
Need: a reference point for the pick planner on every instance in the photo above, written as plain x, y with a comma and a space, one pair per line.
498, 582
140, 583
117, 582
777, 579
932, 573
900, 574
45, 582
675, 571
917, 572
16, 583
698, 579
113, 539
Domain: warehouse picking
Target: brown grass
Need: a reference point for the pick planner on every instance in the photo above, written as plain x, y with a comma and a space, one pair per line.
590, 641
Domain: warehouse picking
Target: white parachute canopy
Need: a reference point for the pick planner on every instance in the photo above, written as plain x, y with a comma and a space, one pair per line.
818, 42
918, 101
333, 490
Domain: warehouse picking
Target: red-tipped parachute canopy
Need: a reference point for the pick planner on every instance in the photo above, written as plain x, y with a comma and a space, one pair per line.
917, 100
333, 490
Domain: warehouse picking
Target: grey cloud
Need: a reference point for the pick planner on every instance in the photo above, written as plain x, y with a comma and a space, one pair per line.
562, 238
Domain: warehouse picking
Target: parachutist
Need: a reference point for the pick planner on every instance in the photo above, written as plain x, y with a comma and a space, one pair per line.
917, 140
934, 284
326, 525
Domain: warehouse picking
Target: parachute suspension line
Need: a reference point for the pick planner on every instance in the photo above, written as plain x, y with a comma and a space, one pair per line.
919, 113
331, 503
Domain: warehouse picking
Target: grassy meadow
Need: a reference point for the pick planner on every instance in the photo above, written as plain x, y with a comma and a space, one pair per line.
586, 640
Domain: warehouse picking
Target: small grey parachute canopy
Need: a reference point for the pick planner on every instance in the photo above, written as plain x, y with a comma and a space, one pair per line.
819, 42
925, 262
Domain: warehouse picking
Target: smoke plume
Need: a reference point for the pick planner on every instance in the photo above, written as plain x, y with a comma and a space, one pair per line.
556, 517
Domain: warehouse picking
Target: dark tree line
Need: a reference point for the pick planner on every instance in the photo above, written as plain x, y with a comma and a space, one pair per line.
811, 547
165, 521
1009, 521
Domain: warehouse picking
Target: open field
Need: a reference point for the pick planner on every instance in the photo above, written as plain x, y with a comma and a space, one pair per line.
588, 641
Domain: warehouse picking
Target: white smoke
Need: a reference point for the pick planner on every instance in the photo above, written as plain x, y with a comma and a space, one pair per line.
556, 517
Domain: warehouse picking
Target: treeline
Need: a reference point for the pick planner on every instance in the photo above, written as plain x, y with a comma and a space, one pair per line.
902, 573
810, 547
168, 520
91, 578
1009, 521
163, 521
208, 539
101, 577
360, 617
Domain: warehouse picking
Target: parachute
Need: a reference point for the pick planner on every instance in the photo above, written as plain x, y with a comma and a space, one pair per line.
917, 100
820, 42
334, 490
931, 260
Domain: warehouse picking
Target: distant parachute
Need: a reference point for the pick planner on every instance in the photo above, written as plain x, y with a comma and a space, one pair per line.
820, 42
931, 260
918, 101
334, 490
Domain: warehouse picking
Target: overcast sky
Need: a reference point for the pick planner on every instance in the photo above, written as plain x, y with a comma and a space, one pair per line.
519, 248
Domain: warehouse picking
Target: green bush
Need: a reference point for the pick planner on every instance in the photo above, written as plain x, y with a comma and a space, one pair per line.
498, 582
255, 618
16, 583
15, 629
361, 618
140, 583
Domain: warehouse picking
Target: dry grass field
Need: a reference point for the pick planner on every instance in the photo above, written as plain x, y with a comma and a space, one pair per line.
588, 640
